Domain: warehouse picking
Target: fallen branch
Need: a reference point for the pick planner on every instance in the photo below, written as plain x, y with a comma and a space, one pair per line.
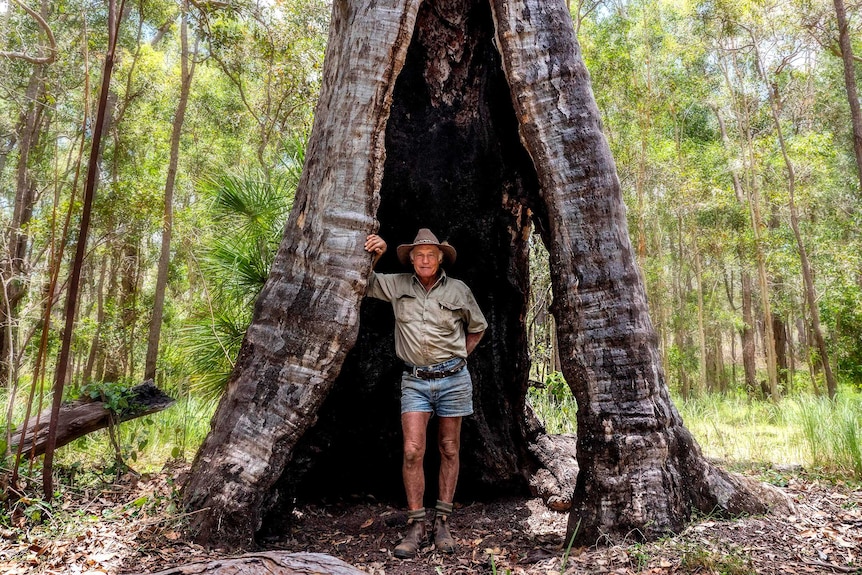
83, 416
267, 563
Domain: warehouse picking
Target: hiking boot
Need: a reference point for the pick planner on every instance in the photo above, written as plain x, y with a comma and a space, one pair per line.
443, 540
415, 537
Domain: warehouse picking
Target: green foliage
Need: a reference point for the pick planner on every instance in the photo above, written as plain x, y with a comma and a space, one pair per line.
116, 396
816, 432
248, 213
829, 431
554, 404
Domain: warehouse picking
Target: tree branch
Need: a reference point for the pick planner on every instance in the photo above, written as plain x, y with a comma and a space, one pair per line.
52, 50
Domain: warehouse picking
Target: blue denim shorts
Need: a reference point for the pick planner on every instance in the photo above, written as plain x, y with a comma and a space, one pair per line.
446, 396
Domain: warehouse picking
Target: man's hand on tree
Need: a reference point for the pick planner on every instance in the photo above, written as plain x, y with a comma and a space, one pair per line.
374, 244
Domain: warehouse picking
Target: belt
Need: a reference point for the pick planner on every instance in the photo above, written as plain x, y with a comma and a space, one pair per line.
436, 371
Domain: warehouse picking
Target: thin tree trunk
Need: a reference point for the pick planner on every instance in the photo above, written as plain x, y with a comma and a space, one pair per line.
752, 200
746, 332
780, 330
17, 239
80, 251
807, 274
96, 344
844, 42
701, 328
187, 70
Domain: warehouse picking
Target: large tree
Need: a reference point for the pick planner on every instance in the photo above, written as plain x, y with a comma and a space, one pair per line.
475, 118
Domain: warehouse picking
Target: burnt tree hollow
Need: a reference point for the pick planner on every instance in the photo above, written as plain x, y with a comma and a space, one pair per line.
474, 118
454, 163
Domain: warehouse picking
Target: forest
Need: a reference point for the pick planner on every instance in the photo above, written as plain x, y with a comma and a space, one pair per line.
149, 155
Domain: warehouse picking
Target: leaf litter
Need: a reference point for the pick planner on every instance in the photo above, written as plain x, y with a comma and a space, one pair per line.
135, 526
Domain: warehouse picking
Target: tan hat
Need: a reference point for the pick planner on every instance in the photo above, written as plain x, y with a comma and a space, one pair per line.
426, 238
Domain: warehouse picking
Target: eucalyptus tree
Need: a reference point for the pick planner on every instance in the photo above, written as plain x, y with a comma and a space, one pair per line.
477, 119
36, 52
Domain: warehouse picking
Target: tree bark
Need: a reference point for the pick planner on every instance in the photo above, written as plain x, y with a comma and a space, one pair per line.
186, 73
83, 416
640, 470
267, 563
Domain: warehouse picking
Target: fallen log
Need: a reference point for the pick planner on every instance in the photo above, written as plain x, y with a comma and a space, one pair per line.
267, 563
555, 481
86, 415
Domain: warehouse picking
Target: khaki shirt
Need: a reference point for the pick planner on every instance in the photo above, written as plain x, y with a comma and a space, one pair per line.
430, 327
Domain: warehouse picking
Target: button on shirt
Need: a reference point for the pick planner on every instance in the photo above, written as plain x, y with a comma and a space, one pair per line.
430, 327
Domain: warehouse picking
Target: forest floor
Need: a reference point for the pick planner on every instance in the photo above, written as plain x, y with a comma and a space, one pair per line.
133, 527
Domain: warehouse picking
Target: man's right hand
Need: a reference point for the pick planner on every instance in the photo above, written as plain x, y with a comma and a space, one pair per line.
374, 244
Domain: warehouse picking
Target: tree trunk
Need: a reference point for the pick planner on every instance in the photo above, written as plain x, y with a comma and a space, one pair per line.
306, 317
780, 331
746, 332
267, 563
703, 383
482, 131
640, 469
80, 251
168, 223
17, 238
83, 416
844, 41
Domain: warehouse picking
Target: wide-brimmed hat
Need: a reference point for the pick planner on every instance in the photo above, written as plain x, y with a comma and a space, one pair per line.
426, 238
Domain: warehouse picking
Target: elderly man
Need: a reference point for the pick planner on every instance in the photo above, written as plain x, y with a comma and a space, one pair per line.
437, 325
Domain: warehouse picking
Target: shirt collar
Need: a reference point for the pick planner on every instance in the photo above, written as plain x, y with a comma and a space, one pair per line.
440, 280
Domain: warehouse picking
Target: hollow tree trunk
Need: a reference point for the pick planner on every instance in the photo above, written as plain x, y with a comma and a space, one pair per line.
640, 469
488, 120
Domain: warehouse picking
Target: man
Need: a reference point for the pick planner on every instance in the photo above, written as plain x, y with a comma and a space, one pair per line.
437, 325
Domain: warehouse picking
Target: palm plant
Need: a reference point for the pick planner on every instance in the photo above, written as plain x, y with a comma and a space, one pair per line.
248, 211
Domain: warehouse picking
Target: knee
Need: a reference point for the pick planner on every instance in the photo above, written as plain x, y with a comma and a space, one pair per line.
449, 448
413, 453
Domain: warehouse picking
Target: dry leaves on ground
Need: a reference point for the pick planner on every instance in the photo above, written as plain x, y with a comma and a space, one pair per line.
133, 526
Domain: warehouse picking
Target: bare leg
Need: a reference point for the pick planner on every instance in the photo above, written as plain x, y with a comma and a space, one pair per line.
413, 426
449, 442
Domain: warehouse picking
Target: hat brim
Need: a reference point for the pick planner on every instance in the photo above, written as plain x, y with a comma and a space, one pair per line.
449, 253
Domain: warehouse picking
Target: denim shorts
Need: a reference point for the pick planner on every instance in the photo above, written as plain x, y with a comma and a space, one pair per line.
446, 396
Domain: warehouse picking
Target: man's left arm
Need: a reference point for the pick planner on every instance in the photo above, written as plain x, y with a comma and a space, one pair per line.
475, 323
473, 340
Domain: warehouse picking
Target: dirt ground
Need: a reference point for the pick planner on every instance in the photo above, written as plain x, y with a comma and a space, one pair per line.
133, 527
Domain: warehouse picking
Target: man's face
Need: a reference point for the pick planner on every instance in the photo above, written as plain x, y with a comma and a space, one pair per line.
426, 261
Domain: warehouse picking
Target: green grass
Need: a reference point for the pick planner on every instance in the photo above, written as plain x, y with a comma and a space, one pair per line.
805, 430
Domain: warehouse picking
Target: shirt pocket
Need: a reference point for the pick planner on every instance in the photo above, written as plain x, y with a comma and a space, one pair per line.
407, 308
450, 316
